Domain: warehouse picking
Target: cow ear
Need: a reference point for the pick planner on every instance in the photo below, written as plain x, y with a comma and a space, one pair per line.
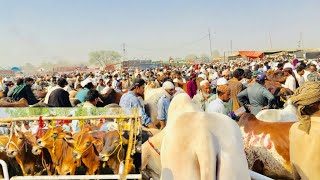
69, 140
97, 142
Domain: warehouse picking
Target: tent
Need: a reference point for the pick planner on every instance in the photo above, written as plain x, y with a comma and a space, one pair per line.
251, 54
16, 69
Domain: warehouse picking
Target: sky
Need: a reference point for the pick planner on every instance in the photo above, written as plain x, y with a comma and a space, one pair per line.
38, 31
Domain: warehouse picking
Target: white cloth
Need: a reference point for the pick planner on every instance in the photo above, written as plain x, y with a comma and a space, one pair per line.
300, 79
67, 88
114, 84
105, 89
290, 83
46, 99
305, 75
217, 106
222, 81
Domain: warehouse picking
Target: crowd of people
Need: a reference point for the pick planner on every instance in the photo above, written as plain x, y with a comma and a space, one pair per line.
227, 88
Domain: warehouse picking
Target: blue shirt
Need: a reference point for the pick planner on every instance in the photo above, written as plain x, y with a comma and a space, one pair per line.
163, 107
130, 100
82, 94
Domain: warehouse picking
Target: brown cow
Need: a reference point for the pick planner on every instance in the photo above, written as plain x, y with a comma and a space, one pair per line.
87, 147
20, 147
56, 141
266, 146
21, 103
113, 152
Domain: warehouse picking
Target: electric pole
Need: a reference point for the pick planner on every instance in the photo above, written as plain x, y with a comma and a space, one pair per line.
124, 51
210, 44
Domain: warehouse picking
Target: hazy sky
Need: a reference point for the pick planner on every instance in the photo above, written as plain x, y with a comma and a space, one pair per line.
50, 30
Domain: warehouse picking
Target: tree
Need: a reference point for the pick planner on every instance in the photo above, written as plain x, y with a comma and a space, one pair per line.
191, 57
104, 58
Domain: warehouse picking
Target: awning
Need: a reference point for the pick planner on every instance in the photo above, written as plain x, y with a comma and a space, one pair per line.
251, 54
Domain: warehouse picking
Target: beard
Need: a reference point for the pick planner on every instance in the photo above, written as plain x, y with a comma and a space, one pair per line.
205, 95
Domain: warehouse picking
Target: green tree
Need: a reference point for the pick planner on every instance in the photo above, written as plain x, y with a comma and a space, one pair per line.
104, 58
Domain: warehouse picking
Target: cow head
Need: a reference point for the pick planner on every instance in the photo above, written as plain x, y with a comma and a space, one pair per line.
17, 142
49, 137
83, 144
111, 145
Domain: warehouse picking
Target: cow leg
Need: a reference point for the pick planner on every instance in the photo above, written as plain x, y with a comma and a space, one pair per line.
295, 173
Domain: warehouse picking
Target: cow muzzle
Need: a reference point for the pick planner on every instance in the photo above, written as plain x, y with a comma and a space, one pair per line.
36, 150
103, 157
40, 143
11, 153
76, 155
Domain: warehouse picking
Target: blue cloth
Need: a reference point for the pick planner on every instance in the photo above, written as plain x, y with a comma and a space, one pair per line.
82, 94
163, 107
104, 127
130, 100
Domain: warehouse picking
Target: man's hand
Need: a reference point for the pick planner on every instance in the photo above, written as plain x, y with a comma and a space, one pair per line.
162, 125
265, 107
151, 125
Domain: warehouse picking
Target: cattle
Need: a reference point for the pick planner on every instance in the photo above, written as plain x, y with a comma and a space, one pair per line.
87, 148
110, 97
56, 142
151, 162
21, 103
201, 145
266, 145
288, 114
113, 152
304, 148
19, 147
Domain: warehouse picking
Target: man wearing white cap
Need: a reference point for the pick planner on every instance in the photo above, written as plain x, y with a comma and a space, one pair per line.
203, 96
7, 82
164, 102
107, 87
82, 94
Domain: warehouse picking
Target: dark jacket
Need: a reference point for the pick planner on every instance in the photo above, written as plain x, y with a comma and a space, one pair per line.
25, 92
59, 98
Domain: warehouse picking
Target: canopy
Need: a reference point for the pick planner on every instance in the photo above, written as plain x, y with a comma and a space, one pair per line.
251, 54
16, 69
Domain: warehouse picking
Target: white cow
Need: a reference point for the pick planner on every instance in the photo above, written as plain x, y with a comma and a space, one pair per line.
199, 145
288, 114
304, 150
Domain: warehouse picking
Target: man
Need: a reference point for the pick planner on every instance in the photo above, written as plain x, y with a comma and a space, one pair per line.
203, 97
291, 81
82, 94
24, 91
107, 87
7, 83
192, 86
91, 99
100, 85
310, 69
118, 87
256, 93
236, 87
131, 100
217, 105
299, 75
164, 102
59, 97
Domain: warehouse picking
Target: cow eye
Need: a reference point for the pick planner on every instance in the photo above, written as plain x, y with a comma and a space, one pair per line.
21, 138
88, 143
115, 141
